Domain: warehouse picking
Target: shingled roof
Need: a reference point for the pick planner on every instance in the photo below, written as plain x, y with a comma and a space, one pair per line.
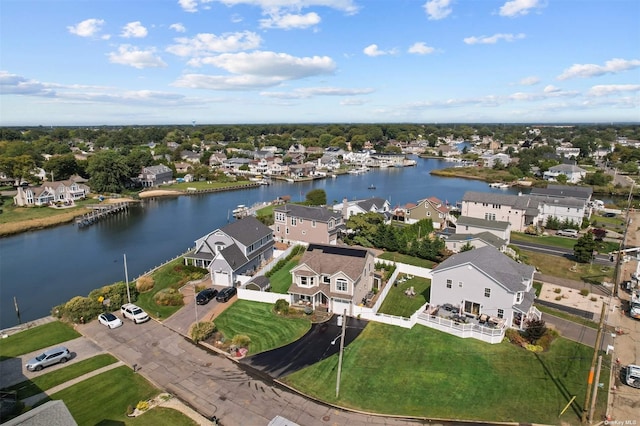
247, 230
320, 214
330, 259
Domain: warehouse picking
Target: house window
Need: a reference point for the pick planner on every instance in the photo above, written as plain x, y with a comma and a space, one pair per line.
490, 216
460, 284
303, 281
287, 231
294, 221
278, 228
449, 282
519, 297
341, 284
428, 214
500, 313
280, 217
487, 292
326, 279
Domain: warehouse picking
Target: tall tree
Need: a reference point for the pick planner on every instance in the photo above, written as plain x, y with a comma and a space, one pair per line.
62, 167
108, 171
316, 197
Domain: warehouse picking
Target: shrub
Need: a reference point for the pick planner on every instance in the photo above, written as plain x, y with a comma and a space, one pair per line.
557, 290
548, 338
535, 329
115, 294
142, 406
129, 411
241, 341
515, 337
281, 307
584, 292
308, 310
145, 283
168, 297
558, 297
81, 309
202, 330
280, 264
533, 348
593, 299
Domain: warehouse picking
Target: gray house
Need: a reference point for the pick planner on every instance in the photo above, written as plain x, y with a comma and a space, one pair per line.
485, 282
155, 175
239, 248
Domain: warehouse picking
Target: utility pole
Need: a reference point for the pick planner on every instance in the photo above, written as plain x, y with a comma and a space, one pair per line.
595, 390
587, 399
126, 277
15, 303
344, 324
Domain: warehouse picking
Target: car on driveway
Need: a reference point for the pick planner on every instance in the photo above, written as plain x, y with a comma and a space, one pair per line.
134, 313
568, 233
206, 295
609, 215
109, 320
48, 357
226, 293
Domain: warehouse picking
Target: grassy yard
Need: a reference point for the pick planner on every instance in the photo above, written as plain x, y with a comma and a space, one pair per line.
182, 186
47, 381
562, 267
258, 321
36, 338
562, 242
11, 213
398, 303
409, 260
172, 275
281, 279
111, 392
426, 373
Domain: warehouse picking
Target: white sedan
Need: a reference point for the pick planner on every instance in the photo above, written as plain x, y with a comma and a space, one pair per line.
110, 320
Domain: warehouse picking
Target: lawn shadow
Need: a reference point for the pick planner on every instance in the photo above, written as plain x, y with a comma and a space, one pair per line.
559, 384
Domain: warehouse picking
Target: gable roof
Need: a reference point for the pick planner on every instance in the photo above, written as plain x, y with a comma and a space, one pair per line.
373, 203
247, 230
321, 214
486, 237
562, 191
566, 168
482, 223
331, 259
491, 262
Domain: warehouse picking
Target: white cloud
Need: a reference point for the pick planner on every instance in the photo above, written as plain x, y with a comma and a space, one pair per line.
87, 28
530, 81
317, 91
612, 66
437, 9
420, 48
256, 70
290, 21
178, 27
13, 84
552, 89
205, 43
134, 30
271, 6
493, 39
374, 50
613, 89
130, 55
518, 7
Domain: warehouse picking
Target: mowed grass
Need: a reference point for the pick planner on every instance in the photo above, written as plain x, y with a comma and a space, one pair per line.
562, 267
159, 416
550, 240
426, 373
49, 380
398, 303
103, 399
281, 279
409, 260
258, 321
36, 338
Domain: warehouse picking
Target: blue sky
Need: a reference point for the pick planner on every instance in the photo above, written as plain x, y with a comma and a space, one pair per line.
109, 62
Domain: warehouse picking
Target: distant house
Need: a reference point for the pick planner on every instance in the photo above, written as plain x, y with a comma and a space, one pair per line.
567, 152
155, 175
484, 281
239, 248
182, 167
302, 170
65, 191
573, 173
490, 160
332, 278
368, 205
473, 225
429, 208
456, 242
294, 222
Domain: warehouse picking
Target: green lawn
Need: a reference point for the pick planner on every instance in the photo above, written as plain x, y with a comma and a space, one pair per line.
36, 338
11, 213
567, 316
426, 373
182, 186
398, 303
281, 279
257, 320
562, 242
110, 394
47, 381
562, 267
159, 416
409, 260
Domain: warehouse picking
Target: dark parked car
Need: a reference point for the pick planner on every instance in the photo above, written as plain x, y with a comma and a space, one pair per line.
206, 295
609, 215
226, 293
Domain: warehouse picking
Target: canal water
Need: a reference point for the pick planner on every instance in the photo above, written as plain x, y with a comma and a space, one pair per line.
44, 268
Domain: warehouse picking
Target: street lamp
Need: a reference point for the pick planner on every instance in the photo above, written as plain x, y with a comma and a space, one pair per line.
344, 323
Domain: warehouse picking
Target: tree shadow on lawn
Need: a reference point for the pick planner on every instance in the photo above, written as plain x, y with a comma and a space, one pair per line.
559, 384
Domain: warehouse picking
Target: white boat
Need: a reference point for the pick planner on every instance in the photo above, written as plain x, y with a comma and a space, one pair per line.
290, 180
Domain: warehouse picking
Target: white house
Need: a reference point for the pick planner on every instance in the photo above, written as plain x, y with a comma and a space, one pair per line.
573, 173
484, 281
373, 204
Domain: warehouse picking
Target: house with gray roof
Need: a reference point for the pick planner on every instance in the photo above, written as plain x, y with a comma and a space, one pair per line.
155, 175
573, 173
239, 248
310, 224
474, 225
456, 242
332, 278
65, 192
485, 282
368, 205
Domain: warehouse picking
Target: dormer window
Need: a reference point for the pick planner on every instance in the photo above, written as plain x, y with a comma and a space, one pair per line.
519, 297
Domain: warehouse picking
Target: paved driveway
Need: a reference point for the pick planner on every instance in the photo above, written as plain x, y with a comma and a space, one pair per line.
320, 342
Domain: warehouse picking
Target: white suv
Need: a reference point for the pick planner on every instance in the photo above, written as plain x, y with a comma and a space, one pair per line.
568, 233
134, 313
632, 375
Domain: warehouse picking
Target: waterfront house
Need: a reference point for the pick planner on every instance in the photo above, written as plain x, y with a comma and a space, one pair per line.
573, 173
484, 282
310, 224
239, 248
50, 193
429, 208
155, 175
369, 205
332, 278
490, 160
473, 225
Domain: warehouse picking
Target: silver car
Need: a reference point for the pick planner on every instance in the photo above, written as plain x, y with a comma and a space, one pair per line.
49, 357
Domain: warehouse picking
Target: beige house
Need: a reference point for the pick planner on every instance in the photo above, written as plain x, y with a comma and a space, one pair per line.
332, 278
429, 208
294, 222
59, 192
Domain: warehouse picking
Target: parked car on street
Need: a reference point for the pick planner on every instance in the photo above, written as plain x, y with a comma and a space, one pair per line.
632, 375
134, 313
109, 320
568, 233
206, 295
226, 293
49, 357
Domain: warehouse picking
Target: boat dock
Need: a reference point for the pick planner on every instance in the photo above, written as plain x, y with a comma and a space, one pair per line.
101, 211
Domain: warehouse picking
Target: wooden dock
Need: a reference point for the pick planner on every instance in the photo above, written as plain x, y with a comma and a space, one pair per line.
100, 211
